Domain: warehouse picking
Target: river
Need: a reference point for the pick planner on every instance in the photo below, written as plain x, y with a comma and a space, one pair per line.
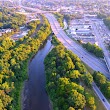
34, 95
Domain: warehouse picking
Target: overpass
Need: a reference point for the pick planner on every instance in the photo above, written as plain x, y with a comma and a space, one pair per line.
36, 10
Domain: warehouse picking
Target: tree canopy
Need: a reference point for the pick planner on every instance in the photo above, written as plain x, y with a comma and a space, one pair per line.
63, 77
103, 83
14, 58
10, 19
93, 48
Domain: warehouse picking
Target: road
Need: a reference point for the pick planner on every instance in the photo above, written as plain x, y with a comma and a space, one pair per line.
90, 60
101, 96
99, 34
95, 63
36, 10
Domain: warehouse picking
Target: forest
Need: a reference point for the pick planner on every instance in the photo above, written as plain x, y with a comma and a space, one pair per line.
65, 77
14, 59
10, 19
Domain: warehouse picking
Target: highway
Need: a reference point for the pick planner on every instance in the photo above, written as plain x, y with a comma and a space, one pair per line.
101, 96
95, 63
99, 34
38, 11
90, 60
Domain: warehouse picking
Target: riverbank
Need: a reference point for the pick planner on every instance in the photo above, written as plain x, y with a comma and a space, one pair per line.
30, 90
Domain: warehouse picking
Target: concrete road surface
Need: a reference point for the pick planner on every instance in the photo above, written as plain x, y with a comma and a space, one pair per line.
101, 96
95, 63
99, 34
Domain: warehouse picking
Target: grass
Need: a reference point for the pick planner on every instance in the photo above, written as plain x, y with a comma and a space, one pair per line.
90, 70
98, 103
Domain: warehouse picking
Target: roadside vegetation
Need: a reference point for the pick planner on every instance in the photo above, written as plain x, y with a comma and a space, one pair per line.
69, 17
107, 21
14, 58
33, 27
102, 83
93, 48
60, 19
101, 15
105, 18
65, 77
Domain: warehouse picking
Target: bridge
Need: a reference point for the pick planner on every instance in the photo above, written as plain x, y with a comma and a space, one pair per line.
18, 3
36, 10
13, 2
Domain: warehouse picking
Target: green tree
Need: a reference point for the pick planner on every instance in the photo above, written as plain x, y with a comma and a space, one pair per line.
90, 101
74, 74
88, 79
99, 78
71, 108
76, 99
1, 24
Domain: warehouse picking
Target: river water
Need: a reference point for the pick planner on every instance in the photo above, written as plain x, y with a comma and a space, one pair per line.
35, 96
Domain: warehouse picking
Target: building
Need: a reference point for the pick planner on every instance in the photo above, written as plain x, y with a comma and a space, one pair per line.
84, 32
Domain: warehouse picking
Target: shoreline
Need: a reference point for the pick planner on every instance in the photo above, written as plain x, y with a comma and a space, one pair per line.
24, 90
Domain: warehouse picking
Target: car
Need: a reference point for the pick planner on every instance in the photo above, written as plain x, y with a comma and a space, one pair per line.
103, 100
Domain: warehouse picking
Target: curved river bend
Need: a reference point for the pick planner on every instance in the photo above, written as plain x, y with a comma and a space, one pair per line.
35, 96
